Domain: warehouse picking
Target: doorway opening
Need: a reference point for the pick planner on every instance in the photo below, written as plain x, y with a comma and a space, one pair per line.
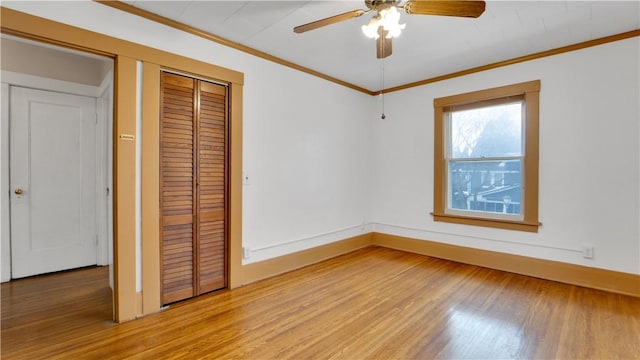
57, 174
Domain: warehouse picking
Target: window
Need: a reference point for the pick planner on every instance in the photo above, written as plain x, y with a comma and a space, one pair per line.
486, 158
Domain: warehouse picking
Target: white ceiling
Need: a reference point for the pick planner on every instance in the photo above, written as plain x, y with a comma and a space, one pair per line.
430, 46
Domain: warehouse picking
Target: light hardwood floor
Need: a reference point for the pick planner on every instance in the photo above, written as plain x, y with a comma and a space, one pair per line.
374, 303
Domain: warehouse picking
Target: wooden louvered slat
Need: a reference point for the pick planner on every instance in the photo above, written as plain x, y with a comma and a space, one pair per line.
212, 249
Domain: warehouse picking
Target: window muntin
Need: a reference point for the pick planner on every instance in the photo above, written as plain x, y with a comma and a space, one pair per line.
494, 184
484, 154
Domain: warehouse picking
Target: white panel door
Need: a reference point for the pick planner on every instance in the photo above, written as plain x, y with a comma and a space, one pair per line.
53, 181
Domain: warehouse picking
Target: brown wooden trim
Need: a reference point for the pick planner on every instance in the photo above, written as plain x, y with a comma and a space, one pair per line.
36, 28
493, 223
282, 264
439, 183
495, 65
235, 186
124, 207
486, 103
482, 96
151, 16
602, 279
530, 91
228, 43
586, 44
139, 302
151, 188
532, 154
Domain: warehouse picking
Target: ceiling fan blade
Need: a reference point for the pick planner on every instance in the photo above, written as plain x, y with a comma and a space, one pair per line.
328, 21
463, 8
383, 45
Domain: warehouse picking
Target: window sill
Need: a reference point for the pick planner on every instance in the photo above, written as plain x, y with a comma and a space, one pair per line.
493, 223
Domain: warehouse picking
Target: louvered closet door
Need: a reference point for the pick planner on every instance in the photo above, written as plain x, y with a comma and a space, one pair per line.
193, 167
177, 187
212, 155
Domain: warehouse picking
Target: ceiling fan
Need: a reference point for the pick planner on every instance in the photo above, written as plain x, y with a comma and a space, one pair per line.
384, 25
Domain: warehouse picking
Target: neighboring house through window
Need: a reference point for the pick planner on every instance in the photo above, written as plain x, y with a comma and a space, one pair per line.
486, 157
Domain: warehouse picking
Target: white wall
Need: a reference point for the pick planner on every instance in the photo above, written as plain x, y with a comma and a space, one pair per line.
319, 165
305, 139
50, 62
305, 156
589, 160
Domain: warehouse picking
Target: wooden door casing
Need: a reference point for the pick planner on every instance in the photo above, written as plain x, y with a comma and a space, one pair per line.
193, 187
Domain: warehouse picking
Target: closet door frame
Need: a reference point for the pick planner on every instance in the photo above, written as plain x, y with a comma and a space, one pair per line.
151, 270
196, 103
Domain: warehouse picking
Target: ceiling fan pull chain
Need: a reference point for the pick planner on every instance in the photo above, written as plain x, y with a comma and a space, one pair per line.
383, 116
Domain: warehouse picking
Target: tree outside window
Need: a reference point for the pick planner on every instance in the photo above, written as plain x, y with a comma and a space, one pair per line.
486, 157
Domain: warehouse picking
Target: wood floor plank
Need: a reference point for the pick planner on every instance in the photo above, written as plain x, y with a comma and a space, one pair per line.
374, 303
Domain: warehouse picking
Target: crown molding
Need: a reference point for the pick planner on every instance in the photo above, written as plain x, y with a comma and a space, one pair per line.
534, 56
222, 41
226, 42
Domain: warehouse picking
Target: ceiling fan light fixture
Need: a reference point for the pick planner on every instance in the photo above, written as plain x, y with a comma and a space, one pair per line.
387, 18
384, 26
371, 29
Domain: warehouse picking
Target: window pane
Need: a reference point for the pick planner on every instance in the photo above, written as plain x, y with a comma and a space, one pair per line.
486, 186
494, 131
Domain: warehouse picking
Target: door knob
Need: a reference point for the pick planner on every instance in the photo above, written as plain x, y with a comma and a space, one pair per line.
18, 191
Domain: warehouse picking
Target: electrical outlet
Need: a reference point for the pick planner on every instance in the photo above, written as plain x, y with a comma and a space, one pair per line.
246, 252
587, 251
